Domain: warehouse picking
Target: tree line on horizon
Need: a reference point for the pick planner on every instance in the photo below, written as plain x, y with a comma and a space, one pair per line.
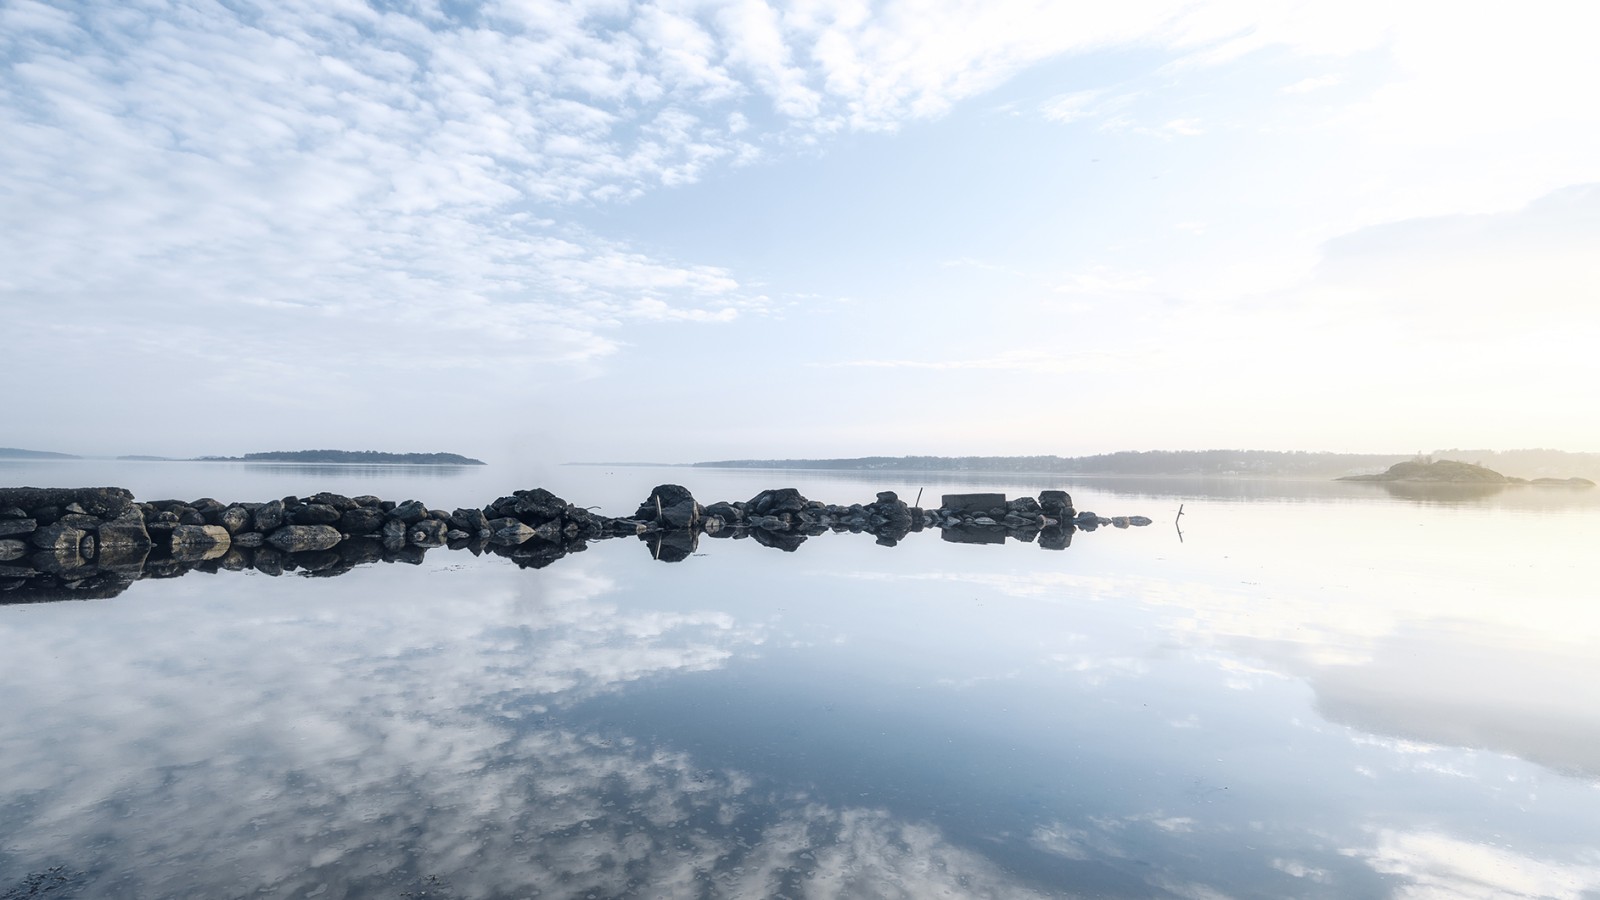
1531, 463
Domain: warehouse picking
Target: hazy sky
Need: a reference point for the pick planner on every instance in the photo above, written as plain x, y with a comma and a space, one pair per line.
677, 230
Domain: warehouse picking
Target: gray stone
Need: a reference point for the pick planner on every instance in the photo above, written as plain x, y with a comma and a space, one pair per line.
508, 531
126, 530
683, 514
394, 534
314, 514
196, 543
361, 520
249, 539
269, 517
235, 519
104, 502
472, 521
58, 538
11, 548
410, 512
1138, 520
299, 538
427, 533
17, 526
973, 503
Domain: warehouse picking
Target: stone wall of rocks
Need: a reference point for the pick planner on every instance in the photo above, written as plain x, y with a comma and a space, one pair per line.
92, 543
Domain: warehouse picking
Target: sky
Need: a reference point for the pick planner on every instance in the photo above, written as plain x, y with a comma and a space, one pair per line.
678, 231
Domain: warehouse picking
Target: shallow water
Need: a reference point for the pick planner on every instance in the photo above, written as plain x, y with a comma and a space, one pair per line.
1319, 690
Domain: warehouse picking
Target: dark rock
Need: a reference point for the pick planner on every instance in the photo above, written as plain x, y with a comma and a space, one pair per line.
337, 501
472, 521
234, 519
58, 538
61, 563
269, 517
299, 538
394, 534
1056, 504
126, 530
249, 539
188, 515
977, 504
103, 502
773, 502
314, 514
727, 512
17, 526
410, 512
531, 506
1138, 521
428, 533
11, 548
367, 501
13, 512
361, 520
456, 535
682, 514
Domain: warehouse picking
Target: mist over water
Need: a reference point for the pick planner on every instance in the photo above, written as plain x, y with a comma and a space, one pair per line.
1314, 690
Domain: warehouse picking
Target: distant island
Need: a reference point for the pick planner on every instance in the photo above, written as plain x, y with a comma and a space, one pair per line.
1450, 471
16, 453
1225, 463
369, 457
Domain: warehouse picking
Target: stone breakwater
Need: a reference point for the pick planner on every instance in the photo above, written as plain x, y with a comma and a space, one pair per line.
92, 543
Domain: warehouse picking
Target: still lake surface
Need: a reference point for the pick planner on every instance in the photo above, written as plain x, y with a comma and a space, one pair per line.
1320, 690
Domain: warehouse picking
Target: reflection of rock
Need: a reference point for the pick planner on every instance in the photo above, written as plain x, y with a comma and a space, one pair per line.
196, 542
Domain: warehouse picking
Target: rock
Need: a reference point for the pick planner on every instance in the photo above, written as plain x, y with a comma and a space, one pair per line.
64, 564
196, 543
672, 546
58, 538
394, 534
299, 538
977, 504
1138, 521
471, 521
11, 548
337, 501
774, 502
509, 531
235, 519
269, 517
531, 506
126, 530
727, 512
361, 520
682, 514
984, 521
249, 539
1056, 504
10, 527
1056, 537
314, 514
410, 512
268, 561
427, 533
103, 502
456, 534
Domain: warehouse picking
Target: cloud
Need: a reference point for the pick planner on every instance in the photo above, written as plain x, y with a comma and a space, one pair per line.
1431, 864
1037, 362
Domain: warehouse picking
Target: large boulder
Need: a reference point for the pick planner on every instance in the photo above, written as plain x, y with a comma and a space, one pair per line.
299, 538
361, 520
428, 533
410, 512
775, 501
314, 514
126, 530
235, 519
58, 538
269, 517
104, 502
199, 542
472, 521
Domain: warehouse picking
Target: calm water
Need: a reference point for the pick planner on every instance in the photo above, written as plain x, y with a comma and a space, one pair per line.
1320, 690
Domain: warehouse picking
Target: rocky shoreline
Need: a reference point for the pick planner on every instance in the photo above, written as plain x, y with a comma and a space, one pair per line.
92, 543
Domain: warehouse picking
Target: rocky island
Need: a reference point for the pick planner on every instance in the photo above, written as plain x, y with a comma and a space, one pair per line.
1449, 471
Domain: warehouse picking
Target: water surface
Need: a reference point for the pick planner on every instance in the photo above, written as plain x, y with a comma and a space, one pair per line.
1319, 690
